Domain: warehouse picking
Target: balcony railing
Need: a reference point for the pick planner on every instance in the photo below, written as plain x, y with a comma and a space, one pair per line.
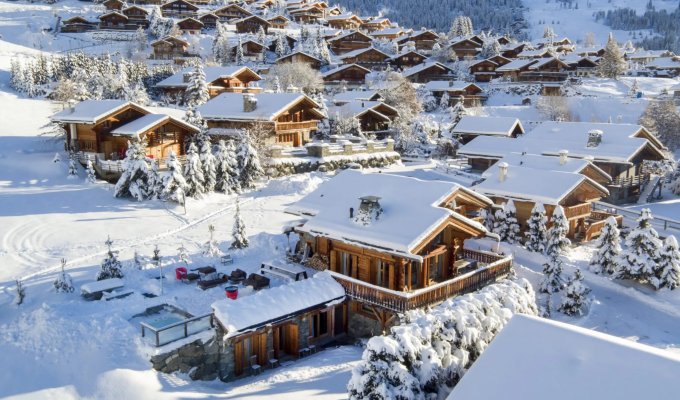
399, 302
178, 330
579, 210
286, 126
596, 222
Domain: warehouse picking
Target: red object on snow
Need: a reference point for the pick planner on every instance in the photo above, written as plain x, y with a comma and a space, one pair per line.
232, 292
180, 272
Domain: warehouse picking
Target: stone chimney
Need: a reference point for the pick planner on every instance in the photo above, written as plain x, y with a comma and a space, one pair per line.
249, 102
563, 156
502, 171
594, 138
186, 77
369, 210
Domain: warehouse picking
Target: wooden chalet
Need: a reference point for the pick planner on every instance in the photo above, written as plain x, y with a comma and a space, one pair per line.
78, 24
252, 24
426, 72
580, 65
423, 40
253, 335
344, 21
115, 20
209, 20
290, 117
545, 70
512, 50
306, 15
231, 12
457, 91
179, 9
230, 79
390, 33
169, 48
373, 24
374, 117
278, 22
103, 128
346, 74
369, 57
361, 228
485, 70
465, 48
407, 59
137, 14
252, 50
574, 192
190, 26
513, 69
301, 57
469, 127
349, 42
291, 41
113, 5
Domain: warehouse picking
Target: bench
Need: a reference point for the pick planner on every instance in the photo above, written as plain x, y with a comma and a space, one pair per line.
283, 272
237, 276
211, 283
96, 290
117, 294
227, 259
257, 281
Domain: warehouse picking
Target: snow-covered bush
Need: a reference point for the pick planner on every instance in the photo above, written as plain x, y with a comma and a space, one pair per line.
536, 232
639, 261
210, 248
63, 283
557, 234
239, 230
111, 267
608, 245
134, 181
669, 264
90, 176
183, 255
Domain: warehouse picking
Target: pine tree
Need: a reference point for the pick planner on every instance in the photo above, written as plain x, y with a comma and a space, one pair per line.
140, 39
197, 92
669, 264
63, 283
639, 261
210, 248
239, 58
500, 226
512, 235
608, 245
111, 266
536, 232
72, 166
575, 295
239, 230
444, 101
173, 185
261, 36
226, 168
193, 173
134, 181
281, 45
248, 159
487, 217
612, 64
209, 165
552, 276
557, 234
90, 176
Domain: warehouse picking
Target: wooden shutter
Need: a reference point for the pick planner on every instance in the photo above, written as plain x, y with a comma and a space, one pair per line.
364, 269
261, 348
333, 260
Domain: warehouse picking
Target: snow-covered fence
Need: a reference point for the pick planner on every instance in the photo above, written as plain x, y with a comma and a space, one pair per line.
400, 302
178, 330
665, 226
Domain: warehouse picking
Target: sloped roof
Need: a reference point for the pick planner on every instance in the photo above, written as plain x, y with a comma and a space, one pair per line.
423, 66
516, 65
357, 95
574, 165
405, 222
342, 68
211, 74
449, 85
359, 52
492, 126
90, 111
534, 358
146, 122
229, 106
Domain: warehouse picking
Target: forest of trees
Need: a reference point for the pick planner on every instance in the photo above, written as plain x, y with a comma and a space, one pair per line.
502, 16
663, 23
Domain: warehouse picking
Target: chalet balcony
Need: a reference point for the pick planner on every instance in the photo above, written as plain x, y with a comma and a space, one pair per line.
477, 269
292, 126
596, 221
577, 211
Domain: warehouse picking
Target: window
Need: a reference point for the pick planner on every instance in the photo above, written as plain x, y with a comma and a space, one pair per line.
415, 275
436, 267
382, 273
319, 324
345, 264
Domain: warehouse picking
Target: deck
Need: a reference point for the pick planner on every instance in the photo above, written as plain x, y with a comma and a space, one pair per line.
490, 268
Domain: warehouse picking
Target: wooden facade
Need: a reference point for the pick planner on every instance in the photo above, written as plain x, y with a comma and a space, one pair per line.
231, 12
113, 5
407, 59
169, 48
179, 9
344, 22
352, 73
423, 40
190, 26
252, 24
349, 42
466, 49
366, 58
209, 20
278, 22
77, 24
301, 57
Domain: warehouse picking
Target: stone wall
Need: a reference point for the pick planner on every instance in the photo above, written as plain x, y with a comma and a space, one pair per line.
290, 166
199, 359
360, 326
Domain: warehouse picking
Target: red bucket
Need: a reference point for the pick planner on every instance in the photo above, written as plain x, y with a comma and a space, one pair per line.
180, 272
232, 292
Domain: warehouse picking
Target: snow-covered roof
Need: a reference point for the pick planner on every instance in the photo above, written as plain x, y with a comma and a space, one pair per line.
449, 86
494, 126
534, 359
355, 108
270, 305
211, 74
99, 286
341, 17
665, 63
298, 52
423, 66
357, 95
618, 144
90, 111
573, 165
515, 65
544, 61
229, 106
342, 68
146, 122
387, 31
521, 183
405, 221
358, 52
643, 54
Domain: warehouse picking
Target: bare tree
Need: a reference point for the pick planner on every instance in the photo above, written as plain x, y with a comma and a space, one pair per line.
298, 75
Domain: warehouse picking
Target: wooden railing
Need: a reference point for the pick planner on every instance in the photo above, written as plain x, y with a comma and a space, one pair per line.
578, 210
596, 222
178, 330
285, 126
400, 302
637, 180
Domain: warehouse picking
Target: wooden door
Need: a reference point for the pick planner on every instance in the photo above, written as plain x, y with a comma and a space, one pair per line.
339, 320
238, 358
260, 348
291, 340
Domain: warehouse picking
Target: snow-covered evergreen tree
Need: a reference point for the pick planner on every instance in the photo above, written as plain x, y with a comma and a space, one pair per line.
669, 264
63, 283
134, 181
500, 226
608, 245
557, 242
226, 168
248, 159
612, 64
239, 230
90, 176
444, 101
193, 173
239, 57
197, 92
183, 255
261, 36
173, 185
639, 261
552, 276
536, 233
512, 234
111, 266
209, 165
575, 295
72, 166
487, 217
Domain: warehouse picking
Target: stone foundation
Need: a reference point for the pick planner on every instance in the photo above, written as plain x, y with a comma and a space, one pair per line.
289, 166
200, 360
